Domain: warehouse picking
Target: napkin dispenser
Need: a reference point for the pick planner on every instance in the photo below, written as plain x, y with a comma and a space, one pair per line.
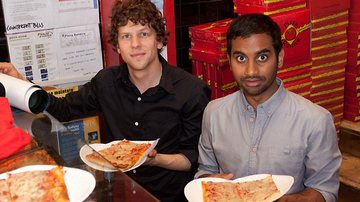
24, 95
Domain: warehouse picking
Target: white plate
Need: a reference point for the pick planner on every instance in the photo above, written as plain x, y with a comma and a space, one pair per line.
79, 183
85, 150
193, 190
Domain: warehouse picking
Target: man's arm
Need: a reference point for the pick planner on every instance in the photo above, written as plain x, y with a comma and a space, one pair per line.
169, 161
307, 195
227, 176
208, 166
323, 159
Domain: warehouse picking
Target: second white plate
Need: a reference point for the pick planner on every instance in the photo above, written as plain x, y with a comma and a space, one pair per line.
193, 190
79, 183
85, 150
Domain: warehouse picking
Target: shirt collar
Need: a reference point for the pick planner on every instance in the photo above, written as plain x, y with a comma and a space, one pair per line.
124, 74
166, 80
270, 105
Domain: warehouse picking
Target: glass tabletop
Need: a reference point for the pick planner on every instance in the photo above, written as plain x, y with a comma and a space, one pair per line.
58, 143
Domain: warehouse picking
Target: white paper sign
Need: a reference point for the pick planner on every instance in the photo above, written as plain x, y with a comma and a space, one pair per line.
28, 15
33, 15
79, 51
34, 54
56, 56
77, 12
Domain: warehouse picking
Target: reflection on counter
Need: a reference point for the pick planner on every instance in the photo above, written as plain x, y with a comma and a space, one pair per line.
57, 144
64, 138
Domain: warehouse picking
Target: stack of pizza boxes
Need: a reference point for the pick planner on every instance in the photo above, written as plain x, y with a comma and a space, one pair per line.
352, 81
296, 70
294, 20
329, 21
267, 7
209, 57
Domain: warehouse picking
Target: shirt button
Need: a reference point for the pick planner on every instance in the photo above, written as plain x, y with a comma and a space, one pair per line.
251, 119
139, 98
254, 149
134, 171
136, 123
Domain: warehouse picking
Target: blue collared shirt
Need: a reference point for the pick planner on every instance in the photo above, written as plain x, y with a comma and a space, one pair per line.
285, 135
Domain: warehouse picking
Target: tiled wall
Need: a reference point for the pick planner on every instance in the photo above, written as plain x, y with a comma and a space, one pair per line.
194, 12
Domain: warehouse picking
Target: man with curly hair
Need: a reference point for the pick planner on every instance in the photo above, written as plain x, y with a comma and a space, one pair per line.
143, 99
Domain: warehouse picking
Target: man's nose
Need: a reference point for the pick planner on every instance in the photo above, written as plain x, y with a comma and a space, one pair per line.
135, 42
251, 69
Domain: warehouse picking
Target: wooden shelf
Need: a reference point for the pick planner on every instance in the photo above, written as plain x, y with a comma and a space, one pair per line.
349, 125
349, 144
349, 171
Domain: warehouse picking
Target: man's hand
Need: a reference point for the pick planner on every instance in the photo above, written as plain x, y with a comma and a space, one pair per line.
227, 176
9, 69
308, 195
150, 157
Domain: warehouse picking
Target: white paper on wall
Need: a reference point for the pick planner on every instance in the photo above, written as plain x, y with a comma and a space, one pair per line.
33, 15
56, 56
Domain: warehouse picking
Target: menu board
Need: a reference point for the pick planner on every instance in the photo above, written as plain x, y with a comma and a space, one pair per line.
33, 15
53, 42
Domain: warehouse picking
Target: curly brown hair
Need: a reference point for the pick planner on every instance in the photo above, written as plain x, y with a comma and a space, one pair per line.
142, 12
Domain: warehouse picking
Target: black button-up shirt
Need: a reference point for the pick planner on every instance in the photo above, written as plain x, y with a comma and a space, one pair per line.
171, 111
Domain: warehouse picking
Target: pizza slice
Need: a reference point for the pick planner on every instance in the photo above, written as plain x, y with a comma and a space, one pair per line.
4, 191
46, 185
258, 190
98, 159
122, 155
219, 192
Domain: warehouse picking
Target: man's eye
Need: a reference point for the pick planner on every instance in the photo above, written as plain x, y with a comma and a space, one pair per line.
125, 36
144, 34
240, 58
262, 58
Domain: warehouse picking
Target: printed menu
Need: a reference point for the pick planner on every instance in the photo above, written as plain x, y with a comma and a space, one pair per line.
47, 45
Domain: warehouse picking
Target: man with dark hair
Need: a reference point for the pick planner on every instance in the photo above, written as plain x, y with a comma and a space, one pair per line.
263, 128
144, 99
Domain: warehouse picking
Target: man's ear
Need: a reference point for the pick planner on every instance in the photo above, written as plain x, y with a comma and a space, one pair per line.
281, 58
159, 45
118, 49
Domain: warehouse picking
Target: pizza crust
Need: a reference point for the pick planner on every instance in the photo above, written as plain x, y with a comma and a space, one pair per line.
95, 158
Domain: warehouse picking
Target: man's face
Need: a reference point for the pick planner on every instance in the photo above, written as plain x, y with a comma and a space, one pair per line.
138, 46
254, 65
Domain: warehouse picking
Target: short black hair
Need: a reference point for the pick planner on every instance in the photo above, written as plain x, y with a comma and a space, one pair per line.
246, 25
